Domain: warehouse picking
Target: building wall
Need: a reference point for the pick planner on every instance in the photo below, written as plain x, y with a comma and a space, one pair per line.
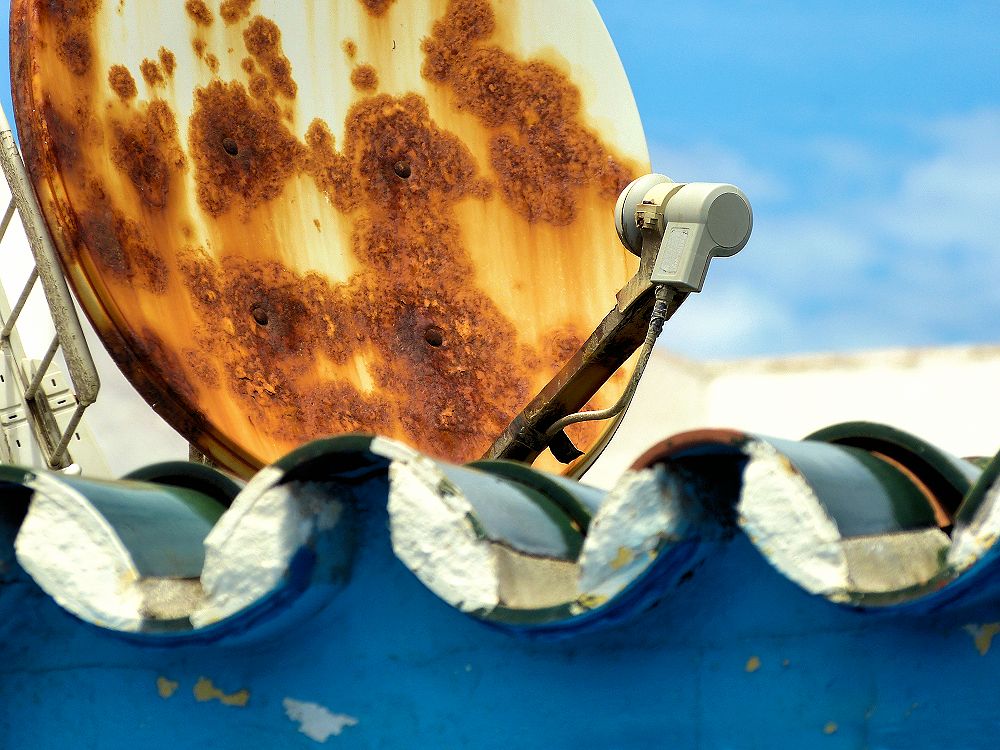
946, 395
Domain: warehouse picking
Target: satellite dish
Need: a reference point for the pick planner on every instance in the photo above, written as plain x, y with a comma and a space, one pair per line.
288, 220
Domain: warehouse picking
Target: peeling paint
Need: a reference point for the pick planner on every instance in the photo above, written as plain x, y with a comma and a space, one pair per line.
982, 635
788, 522
640, 515
166, 688
480, 540
625, 556
830, 728
433, 535
79, 542
782, 516
315, 721
74, 555
205, 690
972, 540
753, 664
249, 550
897, 561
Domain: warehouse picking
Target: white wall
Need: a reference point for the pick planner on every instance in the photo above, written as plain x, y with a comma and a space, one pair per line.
948, 396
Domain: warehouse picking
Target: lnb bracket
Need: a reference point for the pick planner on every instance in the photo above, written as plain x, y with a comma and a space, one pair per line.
676, 229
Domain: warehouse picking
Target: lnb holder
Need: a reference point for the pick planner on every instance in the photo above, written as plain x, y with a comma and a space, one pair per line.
691, 222
675, 228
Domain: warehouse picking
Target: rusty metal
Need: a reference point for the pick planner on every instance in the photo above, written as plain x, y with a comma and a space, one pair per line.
664, 295
635, 321
610, 346
336, 219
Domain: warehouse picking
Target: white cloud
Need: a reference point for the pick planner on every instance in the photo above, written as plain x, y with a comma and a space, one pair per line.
787, 250
731, 320
840, 168
911, 258
951, 198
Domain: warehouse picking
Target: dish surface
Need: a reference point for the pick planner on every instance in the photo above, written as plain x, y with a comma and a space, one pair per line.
287, 220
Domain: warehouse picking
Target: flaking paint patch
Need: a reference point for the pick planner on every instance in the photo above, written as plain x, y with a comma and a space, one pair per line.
75, 556
970, 541
895, 562
391, 449
983, 635
248, 551
785, 520
205, 690
433, 535
753, 664
625, 556
642, 514
315, 721
166, 687
830, 728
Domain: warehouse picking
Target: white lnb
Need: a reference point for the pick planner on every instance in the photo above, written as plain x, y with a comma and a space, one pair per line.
691, 222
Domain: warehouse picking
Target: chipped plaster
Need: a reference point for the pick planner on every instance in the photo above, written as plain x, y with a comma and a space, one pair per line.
315, 721
640, 514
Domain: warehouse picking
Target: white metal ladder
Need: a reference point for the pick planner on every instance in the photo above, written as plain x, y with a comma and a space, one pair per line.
39, 404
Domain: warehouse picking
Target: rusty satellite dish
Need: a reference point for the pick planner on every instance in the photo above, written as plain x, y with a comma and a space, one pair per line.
293, 219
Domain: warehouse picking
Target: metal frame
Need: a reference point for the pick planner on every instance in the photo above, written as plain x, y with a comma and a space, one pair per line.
52, 439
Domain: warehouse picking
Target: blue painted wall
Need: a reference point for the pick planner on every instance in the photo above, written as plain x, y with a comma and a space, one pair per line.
735, 657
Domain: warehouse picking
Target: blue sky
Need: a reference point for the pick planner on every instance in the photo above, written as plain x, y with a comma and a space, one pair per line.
867, 136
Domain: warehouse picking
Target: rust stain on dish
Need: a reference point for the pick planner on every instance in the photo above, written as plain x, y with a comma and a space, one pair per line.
199, 12
122, 82
75, 51
233, 11
435, 345
147, 150
65, 135
377, 8
404, 342
168, 61
68, 12
541, 153
122, 249
151, 73
148, 344
263, 41
242, 151
364, 78
72, 19
331, 170
204, 370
